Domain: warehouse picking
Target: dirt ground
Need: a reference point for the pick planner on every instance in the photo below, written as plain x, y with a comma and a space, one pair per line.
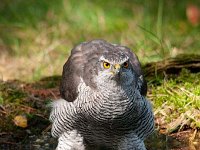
37, 96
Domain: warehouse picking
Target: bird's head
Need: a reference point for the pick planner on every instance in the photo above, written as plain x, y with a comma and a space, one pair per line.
115, 69
100, 64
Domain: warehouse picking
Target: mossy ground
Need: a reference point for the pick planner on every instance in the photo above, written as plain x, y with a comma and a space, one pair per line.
176, 100
29, 100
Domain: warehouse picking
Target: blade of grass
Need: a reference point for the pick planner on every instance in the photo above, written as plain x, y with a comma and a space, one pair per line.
151, 35
159, 19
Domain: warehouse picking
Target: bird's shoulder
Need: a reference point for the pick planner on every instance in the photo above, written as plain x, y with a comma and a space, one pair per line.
80, 64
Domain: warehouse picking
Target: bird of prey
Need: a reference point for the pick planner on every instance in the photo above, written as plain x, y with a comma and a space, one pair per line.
103, 101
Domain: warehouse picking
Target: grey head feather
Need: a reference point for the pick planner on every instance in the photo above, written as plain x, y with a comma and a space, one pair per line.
82, 63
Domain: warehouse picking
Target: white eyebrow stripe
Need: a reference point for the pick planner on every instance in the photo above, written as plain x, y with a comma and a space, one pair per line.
102, 58
121, 61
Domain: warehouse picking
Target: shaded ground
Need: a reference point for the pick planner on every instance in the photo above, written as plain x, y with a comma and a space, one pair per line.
28, 100
31, 100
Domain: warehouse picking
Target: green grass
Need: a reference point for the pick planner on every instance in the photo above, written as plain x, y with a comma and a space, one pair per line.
1, 99
42, 33
176, 100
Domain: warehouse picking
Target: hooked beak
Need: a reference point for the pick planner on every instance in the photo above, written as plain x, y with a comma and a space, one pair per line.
116, 69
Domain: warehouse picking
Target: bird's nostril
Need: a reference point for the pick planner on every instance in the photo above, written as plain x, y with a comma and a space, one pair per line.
117, 66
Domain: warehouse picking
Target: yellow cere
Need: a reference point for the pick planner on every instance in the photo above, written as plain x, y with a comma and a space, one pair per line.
117, 66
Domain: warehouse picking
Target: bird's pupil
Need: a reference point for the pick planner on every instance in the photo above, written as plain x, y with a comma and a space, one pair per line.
125, 64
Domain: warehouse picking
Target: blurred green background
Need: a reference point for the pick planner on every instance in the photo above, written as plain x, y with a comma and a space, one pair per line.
36, 36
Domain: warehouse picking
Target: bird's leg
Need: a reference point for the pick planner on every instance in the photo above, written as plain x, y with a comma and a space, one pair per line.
70, 140
131, 142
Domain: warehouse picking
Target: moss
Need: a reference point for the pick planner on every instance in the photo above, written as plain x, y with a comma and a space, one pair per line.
47, 82
15, 100
1, 99
177, 95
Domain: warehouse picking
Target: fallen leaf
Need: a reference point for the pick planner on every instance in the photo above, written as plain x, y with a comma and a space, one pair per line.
20, 121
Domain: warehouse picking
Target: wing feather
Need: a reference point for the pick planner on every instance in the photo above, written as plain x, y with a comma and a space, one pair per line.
79, 65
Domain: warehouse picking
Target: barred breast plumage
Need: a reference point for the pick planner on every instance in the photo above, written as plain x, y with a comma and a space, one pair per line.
107, 111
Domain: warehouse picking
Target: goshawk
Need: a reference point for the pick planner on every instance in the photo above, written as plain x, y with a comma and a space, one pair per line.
104, 104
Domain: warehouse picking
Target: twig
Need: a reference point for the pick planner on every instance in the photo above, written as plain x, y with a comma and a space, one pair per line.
34, 98
7, 142
40, 115
46, 129
4, 133
53, 94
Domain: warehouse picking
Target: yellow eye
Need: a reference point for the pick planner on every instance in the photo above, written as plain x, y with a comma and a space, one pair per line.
126, 64
106, 65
